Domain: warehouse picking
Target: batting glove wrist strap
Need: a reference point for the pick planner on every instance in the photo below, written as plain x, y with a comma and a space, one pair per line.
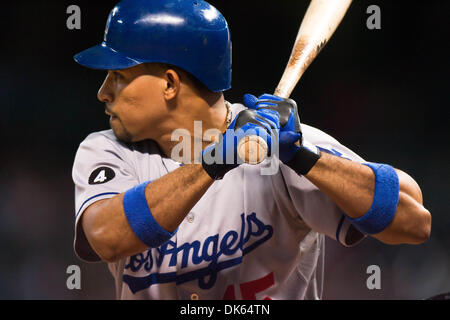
214, 169
140, 218
304, 159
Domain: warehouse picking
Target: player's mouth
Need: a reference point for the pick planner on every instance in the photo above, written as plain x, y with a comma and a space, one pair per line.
110, 114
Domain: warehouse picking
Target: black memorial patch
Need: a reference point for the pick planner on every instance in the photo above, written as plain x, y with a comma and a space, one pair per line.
101, 175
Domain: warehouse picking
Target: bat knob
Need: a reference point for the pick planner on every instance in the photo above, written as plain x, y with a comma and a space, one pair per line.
252, 149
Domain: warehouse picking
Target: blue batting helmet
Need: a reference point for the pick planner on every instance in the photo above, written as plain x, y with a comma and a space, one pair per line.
192, 35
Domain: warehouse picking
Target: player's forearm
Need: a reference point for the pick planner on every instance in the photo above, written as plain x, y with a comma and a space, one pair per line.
351, 186
169, 199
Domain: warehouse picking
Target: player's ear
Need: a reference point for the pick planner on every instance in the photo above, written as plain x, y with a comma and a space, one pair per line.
173, 84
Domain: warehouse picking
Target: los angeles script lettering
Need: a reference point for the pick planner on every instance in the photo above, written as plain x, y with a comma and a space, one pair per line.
212, 250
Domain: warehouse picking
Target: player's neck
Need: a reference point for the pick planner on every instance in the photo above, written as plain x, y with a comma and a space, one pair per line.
217, 115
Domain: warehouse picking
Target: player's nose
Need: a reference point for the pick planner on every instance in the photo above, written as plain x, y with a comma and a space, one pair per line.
105, 93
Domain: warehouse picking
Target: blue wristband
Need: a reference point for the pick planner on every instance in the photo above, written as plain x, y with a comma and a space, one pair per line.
141, 219
385, 200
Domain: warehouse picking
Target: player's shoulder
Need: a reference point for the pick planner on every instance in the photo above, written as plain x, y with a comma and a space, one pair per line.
101, 136
317, 136
106, 141
98, 144
327, 143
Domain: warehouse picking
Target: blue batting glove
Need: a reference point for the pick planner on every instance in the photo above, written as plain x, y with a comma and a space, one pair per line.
286, 111
288, 148
299, 158
284, 107
222, 157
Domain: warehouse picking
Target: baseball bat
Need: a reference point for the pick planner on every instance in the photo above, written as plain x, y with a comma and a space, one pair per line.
318, 25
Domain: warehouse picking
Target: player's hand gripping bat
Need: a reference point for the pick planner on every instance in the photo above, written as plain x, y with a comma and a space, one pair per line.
318, 25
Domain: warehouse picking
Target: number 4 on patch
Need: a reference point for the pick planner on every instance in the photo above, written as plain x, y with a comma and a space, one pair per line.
251, 288
100, 177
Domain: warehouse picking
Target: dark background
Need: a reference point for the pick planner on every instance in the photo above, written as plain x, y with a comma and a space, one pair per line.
383, 93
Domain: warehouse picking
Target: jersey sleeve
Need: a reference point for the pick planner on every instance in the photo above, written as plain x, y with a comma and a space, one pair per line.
317, 210
99, 172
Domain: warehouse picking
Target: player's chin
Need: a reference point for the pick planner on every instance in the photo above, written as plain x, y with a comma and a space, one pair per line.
119, 130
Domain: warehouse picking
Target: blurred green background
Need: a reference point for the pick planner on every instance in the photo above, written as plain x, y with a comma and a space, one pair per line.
383, 93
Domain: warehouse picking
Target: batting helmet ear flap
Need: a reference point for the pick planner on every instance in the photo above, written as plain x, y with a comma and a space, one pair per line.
192, 35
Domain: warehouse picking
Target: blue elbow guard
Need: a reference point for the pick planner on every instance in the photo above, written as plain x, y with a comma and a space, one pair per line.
385, 200
141, 219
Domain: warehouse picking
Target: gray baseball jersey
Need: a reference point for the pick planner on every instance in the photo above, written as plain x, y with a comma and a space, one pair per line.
250, 236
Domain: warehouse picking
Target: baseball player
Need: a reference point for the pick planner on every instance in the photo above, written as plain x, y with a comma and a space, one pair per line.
216, 229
